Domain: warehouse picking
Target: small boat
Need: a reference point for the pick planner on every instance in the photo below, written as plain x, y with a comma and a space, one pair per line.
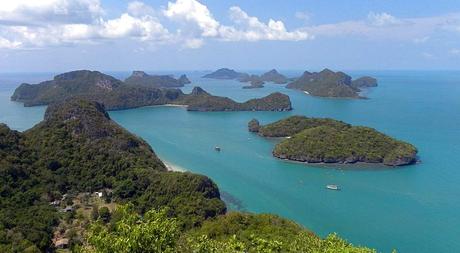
217, 149
333, 187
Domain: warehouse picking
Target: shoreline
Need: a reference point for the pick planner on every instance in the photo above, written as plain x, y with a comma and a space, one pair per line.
167, 105
173, 167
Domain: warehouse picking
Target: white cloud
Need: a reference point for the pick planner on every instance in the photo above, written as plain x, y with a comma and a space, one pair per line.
195, 12
33, 12
244, 27
137, 24
252, 29
383, 19
139, 9
387, 27
144, 28
35, 24
4, 43
193, 43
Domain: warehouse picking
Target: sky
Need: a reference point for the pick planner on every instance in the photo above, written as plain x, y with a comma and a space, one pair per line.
157, 35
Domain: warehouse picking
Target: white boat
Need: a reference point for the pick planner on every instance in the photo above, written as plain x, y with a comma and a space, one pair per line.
217, 148
333, 187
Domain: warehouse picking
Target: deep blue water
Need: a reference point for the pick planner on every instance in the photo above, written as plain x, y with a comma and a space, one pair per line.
412, 209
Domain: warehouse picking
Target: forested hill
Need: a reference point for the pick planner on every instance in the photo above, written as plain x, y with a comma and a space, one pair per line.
317, 140
77, 148
328, 83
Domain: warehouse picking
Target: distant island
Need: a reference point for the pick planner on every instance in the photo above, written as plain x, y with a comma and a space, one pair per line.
118, 95
78, 179
225, 73
317, 140
254, 80
157, 81
328, 83
200, 100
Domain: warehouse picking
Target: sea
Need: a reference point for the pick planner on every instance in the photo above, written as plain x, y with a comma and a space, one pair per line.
412, 209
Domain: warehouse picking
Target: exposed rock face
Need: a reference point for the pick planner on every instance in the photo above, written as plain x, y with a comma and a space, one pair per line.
328, 83
315, 140
224, 73
254, 126
140, 78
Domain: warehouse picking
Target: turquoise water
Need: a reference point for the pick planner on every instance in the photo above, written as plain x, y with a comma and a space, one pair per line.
412, 209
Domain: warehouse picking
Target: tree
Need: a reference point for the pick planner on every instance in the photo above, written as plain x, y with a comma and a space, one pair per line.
153, 232
95, 212
104, 214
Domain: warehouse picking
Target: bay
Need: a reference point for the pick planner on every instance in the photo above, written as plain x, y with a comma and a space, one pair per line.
411, 209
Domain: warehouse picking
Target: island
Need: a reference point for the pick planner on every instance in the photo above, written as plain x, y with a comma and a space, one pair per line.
225, 73
254, 126
318, 140
258, 81
364, 82
254, 80
328, 83
274, 76
79, 180
157, 81
200, 100
117, 95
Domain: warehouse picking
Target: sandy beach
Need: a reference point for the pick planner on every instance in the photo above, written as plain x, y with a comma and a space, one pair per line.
173, 167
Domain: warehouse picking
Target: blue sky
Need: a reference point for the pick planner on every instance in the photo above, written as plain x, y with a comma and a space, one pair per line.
157, 35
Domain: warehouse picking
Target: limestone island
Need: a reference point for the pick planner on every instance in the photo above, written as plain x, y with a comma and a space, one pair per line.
118, 95
200, 100
225, 73
157, 81
318, 140
328, 83
255, 81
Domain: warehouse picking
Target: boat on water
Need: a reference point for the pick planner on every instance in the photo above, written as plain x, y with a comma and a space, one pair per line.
333, 187
217, 149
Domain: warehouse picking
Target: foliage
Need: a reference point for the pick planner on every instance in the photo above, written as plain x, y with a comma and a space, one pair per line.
295, 124
364, 82
224, 73
329, 84
88, 153
140, 78
233, 232
331, 141
238, 232
104, 214
152, 232
200, 100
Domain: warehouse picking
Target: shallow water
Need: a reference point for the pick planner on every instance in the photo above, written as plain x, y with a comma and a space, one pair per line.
412, 209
